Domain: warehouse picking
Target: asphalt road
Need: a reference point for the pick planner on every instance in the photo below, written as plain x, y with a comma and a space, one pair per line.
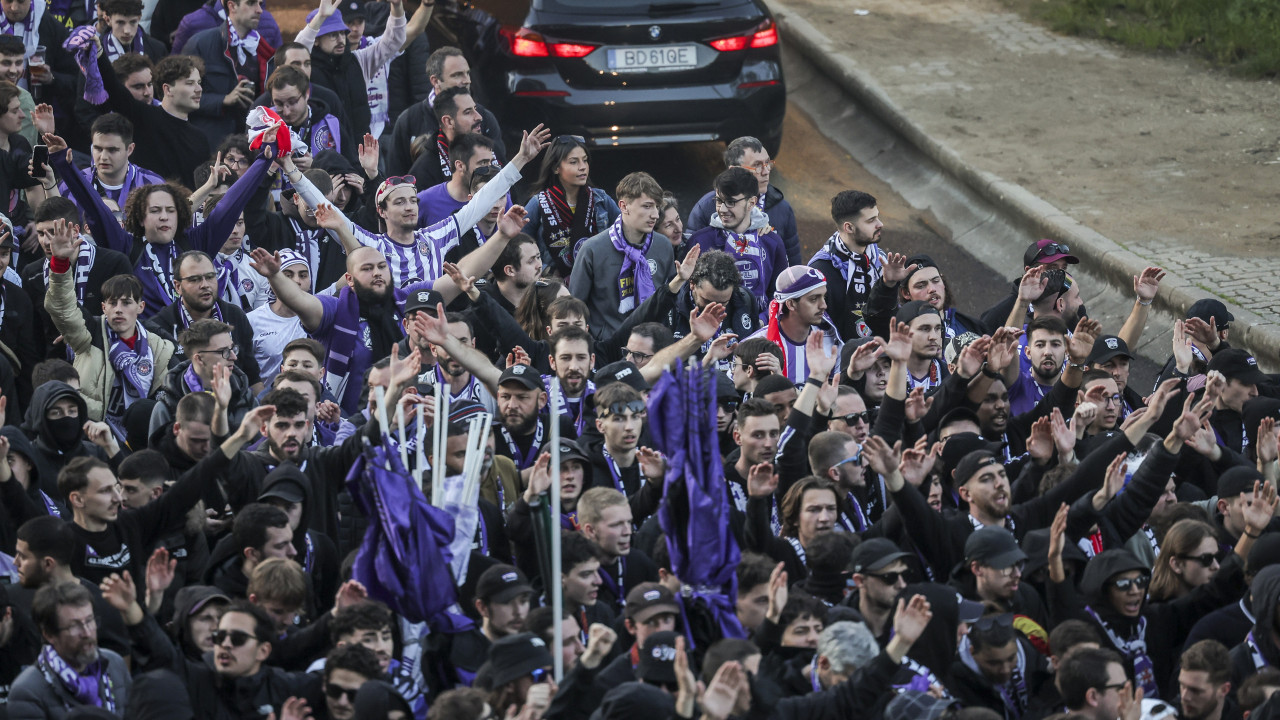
810, 169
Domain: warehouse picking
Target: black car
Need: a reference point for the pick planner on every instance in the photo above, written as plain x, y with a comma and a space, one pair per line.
634, 73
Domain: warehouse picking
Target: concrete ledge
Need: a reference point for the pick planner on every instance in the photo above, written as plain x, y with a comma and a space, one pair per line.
1106, 259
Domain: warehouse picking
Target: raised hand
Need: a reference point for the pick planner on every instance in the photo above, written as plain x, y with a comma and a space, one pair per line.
295, 708
705, 324
518, 356
1214, 385
1182, 355
1057, 540
686, 682
918, 405
1040, 444
972, 356
64, 240
1193, 417
652, 464
1258, 514
685, 269
761, 480
720, 348
911, 618
160, 569
351, 592
1146, 285
265, 263
55, 144
531, 144
1080, 344
1268, 450
1205, 333
539, 477
1082, 418
1112, 484
777, 592
864, 357
118, 590
6, 472
328, 411
367, 152
1204, 440
1131, 702
513, 221
880, 456
405, 370
917, 463
1033, 284
600, 641
721, 696
1004, 346
898, 348
434, 330
42, 119
895, 269
820, 360
1160, 398
768, 362
828, 393
100, 434
254, 420
330, 218
222, 386
465, 284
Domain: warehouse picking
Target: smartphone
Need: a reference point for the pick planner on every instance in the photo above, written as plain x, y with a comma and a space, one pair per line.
39, 159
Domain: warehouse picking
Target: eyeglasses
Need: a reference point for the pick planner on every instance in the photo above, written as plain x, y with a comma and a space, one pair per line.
635, 406
1053, 249
540, 675
1111, 399
81, 627
1008, 571
238, 637
865, 416
206, 277
889, 578
574, 139
636, 357
236, 160
227, 352
1207, 559
336, 691
1120, 686
722, 202
1139, 582
762, 166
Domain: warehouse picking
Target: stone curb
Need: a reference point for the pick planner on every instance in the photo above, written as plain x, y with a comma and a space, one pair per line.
1112, 261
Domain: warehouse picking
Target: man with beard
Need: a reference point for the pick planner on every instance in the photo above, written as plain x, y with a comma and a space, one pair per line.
70, 671
116, 541
195, 282
853, 255
918, 277
836, 457
572, 361
1111, 353
468, 152
502, 601
211, 368
879, 574
451, 374
417, 254
712, 277
236, 61
925, 368
1204, 683
799, 307
992, 575
517, 268
457, 114
1046, 348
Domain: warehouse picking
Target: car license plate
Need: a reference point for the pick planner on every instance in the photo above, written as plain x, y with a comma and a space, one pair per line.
665, 57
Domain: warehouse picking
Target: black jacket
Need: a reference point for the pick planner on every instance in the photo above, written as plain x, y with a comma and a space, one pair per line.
174, 389
22, 336
49, 459
419, 119
168, 324
341, 73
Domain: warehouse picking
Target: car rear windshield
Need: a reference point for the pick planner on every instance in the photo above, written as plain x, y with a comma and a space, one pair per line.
632, 7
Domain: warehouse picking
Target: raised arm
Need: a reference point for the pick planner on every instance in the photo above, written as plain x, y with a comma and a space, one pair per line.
477, 262
436, 331
417, 24
702, 327
102, 224
309, 308
1145, 287
60, 300
210, 235
387, 46
478, 206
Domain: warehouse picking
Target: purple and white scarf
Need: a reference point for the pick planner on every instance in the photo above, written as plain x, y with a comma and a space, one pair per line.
246, 47
635, 280
184, 317
30, 32
160, 263
135, 371
92, 687
115, 49
84, 263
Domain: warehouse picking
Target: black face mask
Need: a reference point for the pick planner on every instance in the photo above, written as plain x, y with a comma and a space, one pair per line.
65, 432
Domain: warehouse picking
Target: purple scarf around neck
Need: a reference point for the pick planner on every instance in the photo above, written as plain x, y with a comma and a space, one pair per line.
635, 267
92, 687
84, 263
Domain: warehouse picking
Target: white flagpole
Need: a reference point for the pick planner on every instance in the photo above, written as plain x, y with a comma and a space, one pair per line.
420, 464
437, 449
557, 592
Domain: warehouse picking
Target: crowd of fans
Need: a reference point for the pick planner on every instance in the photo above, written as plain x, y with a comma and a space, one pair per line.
234, 264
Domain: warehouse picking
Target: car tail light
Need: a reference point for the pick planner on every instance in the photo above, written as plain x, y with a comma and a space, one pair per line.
765, 35
526, 43
571, 50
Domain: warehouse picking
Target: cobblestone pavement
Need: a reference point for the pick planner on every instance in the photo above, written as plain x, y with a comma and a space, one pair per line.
1172, 160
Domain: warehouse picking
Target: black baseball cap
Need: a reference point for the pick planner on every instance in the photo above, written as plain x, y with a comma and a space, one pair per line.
515, 656
353, 10
1238, 481
423, 300
569, 450
1107, 347
502, 583
725, 391
622, 371
914, 309
649, 599
958, 447
658, 659
994, 547
1236, 364
875, 554
1045, 251
970, 464
1208, 308
285, 488
523, 374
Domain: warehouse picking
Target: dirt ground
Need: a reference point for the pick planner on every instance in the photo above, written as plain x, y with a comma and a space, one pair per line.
1162, 154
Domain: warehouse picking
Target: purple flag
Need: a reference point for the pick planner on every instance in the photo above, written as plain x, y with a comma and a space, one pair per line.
695, 504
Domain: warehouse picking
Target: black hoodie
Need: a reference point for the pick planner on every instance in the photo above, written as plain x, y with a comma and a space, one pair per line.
174, 388
187, 599
21, 505
317, 554
49, 457
1266, 596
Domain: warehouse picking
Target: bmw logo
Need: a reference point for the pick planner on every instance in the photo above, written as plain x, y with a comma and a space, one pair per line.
654, 31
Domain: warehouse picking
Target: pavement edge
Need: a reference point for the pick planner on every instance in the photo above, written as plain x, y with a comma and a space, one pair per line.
1114, 263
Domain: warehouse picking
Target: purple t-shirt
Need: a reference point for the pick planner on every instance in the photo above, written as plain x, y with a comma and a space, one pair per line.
435, 204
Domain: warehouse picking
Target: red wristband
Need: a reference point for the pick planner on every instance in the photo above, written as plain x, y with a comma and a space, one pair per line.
59, 265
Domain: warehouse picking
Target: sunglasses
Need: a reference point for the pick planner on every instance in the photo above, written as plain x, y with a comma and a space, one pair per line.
570, 139
1139, 582
1207, 559
889, 578
336, 691
851, 459
1053, 249
238, 637
635, 406
540, 675
866, 416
